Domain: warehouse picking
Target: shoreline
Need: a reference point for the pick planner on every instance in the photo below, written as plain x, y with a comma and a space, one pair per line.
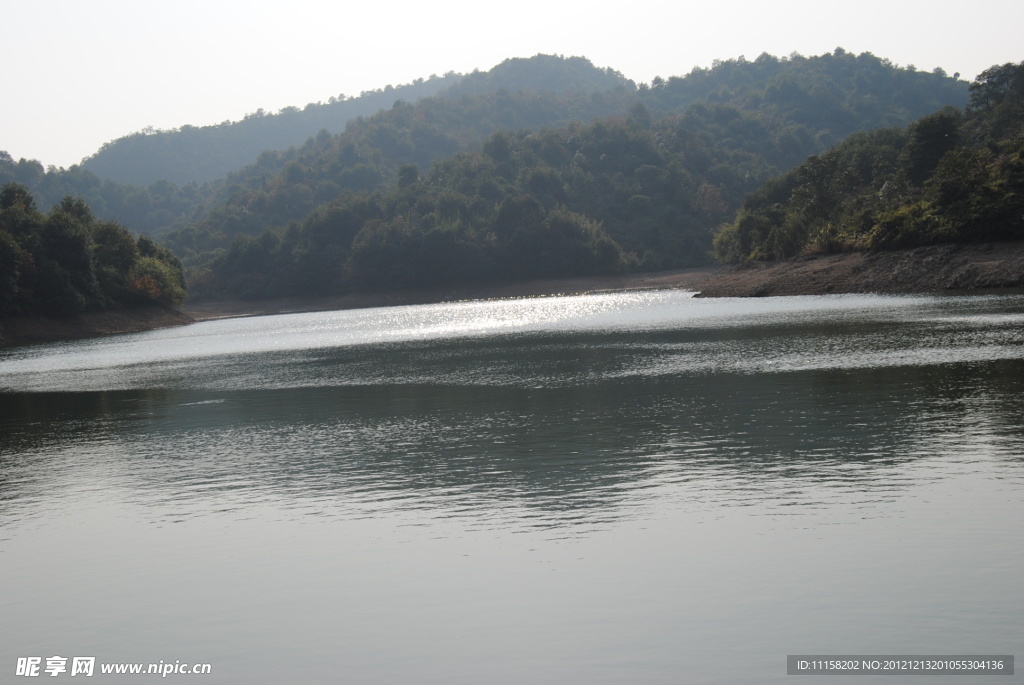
981, 268
16, 331
689, 279
987, 267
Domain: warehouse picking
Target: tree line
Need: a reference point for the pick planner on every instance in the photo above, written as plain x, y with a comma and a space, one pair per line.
66, 260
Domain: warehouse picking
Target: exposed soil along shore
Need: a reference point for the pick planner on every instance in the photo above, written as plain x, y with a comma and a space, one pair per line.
937, 268
26, 330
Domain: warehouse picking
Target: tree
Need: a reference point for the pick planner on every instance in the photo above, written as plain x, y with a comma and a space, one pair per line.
931, 137
67, 250
994, 85
998, 95
515, 212
115, 252
408, 174
15, 195
11, 256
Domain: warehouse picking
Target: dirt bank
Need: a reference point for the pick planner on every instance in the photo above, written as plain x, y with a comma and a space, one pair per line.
25, 330
938, 268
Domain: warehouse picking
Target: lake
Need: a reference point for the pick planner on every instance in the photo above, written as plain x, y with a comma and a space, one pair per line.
614, 488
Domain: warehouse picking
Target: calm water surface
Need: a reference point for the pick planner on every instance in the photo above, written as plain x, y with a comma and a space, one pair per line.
623, 488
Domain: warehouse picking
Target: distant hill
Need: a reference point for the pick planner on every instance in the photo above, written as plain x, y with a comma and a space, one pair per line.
547, 73
154, 180
146, 210
196, 154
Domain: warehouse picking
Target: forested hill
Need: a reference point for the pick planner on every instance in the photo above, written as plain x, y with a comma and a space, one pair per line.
151, 181
677, 157
195, 154
956, 175
641, 188
796, 106
820, 99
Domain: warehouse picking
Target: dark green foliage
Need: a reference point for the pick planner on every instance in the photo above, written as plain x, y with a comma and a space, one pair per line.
15, 195
12, 258
951, 176
979, 194
564, 244
931, 137
583, 200
67, 260
997, 87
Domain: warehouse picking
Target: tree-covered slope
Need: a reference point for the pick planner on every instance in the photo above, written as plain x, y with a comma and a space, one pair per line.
286, 186
678, 157
559, 202
844, 90
956, 175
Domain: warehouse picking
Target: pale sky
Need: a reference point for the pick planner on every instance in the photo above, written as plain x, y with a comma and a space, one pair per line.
79, 73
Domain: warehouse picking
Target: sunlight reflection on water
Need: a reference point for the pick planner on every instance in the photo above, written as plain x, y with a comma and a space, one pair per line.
693, 335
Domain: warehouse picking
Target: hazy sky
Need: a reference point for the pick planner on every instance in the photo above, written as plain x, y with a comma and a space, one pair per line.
80, 73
